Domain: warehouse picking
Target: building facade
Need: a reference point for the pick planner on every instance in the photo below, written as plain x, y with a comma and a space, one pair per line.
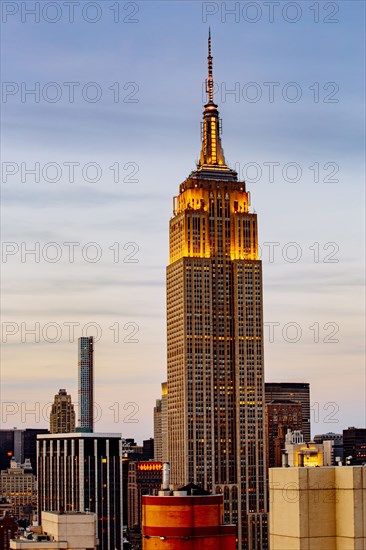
354, 446
62, 417
18, 486
186, 520
8, 530
161, 425
337, 448
86, 383
298, 452
83, 472
144, 478
158, 439
293, 391
281, 415
71, 531
216, 433
20, 444
318, 508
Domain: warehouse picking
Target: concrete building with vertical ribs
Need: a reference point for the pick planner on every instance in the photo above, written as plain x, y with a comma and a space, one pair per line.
216, 435
83, 472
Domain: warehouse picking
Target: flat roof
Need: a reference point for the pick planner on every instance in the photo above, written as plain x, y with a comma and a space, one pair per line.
287, 384
79, 435
68, 513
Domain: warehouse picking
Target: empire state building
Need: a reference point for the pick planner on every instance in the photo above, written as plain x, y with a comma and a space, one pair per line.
216, 436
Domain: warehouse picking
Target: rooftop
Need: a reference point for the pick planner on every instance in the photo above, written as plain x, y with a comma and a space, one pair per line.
80, 435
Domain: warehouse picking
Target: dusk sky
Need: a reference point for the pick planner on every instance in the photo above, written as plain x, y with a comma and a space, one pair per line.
290, 90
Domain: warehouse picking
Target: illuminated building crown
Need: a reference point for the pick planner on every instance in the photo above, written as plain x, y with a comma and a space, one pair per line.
212, 164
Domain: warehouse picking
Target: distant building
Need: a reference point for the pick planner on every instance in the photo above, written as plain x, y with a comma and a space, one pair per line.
132, 452
354, 445
86, 383
125, 463
144, 478
70, 530
5, 507
317, 508
148, 449
337, 445
29, 448
161, 425
281, 415
293, 391
137, 452
8, 530
83, 472
62, 417
187, 519
158, 440
20, 444
7, 450
18, 486
309, 454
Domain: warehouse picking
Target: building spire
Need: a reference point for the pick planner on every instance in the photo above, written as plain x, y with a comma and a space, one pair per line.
212, 158
209, 81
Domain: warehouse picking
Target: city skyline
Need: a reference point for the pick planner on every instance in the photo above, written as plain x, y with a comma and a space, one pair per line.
307, 293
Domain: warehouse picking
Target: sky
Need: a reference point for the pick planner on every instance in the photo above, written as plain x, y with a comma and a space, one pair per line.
101, 110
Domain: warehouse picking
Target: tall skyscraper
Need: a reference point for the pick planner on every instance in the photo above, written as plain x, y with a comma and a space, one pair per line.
216, 431
86, 383
83, 472
294, 391
62, 417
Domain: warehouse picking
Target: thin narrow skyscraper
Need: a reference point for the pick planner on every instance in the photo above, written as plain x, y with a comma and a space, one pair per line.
215, 338
86, 383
